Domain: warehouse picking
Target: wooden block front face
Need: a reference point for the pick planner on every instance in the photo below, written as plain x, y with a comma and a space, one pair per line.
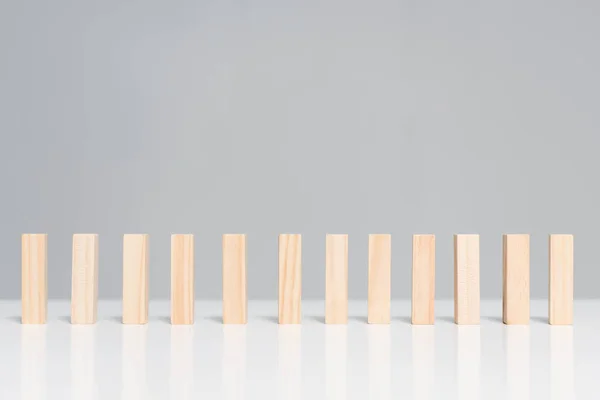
235, 302
336, 279
560, 290
515, 268
423, 280
84, 284
466, 279
380, 268
182, 279
290, 279
135, 279
34, 278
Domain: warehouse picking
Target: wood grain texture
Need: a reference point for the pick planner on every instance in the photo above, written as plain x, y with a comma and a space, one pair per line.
380, 269
336, 279
135, 278
235, 301
423, 280
290, 278
84, 282
182, 279
560, 288
515, 279
34, 278
466, 280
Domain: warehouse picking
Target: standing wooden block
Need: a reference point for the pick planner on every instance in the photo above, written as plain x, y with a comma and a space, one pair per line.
336, 279
84, 284
34, 278
423, 280
235, 302
515, 279
290, 278
560, 289
380, 268
466, 279
135, 279
182, 279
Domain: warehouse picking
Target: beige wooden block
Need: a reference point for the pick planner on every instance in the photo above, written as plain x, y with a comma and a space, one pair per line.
235, 301
290, 278
560, 289
380, 269
34, 278
466, 279
84, 281
135, 278
336, 279
515, 279
182, 279
423, 280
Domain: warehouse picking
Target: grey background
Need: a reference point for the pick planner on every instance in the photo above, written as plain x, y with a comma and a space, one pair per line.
270, 116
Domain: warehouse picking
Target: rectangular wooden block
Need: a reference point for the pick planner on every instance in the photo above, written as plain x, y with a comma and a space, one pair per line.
466, 279
290, 278
34, 278
380, 269
423, 280
560, 289
182, 279
515, 279
135, 278
336, 279
84, 281
235, 301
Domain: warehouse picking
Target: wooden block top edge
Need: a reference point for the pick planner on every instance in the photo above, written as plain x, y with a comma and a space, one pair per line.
466, 235
418, 235
182, 234
515, 235
565, 235
337, 235
234, 234
33, 234
380, 235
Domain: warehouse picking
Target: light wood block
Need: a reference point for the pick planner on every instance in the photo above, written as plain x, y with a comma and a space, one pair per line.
135, 278
560, 289
34, 278
466, 280
182, 279
423, 280
84, 283
290, 278
235, 301
380, 269
336, 279
515, 279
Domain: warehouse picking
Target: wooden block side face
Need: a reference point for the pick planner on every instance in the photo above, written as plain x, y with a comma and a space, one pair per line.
380, 268
560, 290
515, 301
466, 280
135, 279
290, 278
336, 279
34, 278
84, 284
235, 302
423, 280
182, 279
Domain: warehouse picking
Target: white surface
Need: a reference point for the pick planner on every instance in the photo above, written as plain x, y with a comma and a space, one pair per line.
263, 360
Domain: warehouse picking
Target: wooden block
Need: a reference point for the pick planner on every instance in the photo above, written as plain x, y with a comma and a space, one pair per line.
84, 284
466, 279
182, 279
380, 267
135, 279
423, 280
290, 278
336, 279
34, 278
560, 289
235, 301
515, 279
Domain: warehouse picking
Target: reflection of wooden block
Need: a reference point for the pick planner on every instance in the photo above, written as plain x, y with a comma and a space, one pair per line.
84, 285
423, 280
466, 279
336, 279
560, 289
380, 265
290, 278
235, 302
515, 273
34, 279
135, 279
182, 279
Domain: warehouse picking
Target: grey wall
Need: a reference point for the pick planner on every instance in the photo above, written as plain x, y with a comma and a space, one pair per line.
270, 116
